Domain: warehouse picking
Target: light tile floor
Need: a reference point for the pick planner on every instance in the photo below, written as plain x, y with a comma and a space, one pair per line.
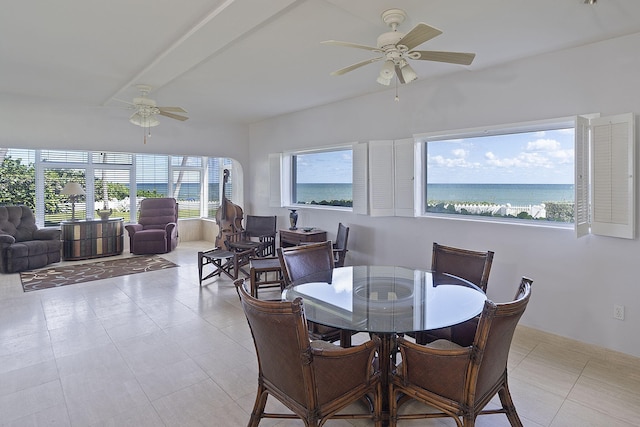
155, 349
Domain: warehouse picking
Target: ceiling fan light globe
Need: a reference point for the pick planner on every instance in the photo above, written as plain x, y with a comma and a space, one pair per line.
145, 122
408, 74
388, 68
383, 81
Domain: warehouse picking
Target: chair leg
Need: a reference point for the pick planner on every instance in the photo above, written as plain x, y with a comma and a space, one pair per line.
258, 407
508, 406
200, 256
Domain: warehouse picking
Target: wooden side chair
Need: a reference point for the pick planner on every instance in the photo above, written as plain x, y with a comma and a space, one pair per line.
340, 245
297, 262
314, 379
259, 234
460, 381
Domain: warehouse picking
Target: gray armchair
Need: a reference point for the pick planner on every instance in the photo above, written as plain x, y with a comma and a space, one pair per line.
24, 246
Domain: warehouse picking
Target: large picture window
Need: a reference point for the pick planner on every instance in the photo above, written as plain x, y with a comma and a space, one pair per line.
322, 178
525, 175
577, 171
113, 181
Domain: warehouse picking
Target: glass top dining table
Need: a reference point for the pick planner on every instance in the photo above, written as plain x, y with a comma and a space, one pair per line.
386, 299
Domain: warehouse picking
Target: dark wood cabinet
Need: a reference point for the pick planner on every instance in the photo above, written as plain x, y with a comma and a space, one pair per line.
90, 238
295, 237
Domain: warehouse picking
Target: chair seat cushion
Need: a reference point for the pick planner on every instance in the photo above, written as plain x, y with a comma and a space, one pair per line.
149, 234
32, 247
444, 345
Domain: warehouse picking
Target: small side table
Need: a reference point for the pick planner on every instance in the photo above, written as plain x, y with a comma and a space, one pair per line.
259, 274
296, 237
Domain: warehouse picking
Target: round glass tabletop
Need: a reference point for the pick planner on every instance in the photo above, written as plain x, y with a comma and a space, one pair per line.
386, 299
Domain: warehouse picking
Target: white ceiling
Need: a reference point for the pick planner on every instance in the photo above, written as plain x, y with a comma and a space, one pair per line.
244, 61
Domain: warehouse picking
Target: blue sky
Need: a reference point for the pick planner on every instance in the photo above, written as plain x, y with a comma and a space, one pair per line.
325, 168
525, 158
545, 157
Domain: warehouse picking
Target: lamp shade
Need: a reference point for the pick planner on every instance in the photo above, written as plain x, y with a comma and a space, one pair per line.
72, 189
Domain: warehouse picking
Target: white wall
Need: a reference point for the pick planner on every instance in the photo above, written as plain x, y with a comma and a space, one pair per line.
45, 123
576, 281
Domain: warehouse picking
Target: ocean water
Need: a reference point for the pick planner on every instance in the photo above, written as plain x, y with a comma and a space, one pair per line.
318, 192
515, 194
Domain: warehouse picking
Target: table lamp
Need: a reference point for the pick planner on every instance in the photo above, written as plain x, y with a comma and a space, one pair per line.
73, 190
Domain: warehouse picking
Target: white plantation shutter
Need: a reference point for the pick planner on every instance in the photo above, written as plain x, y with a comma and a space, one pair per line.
381, 178
275, 195
360, 179
613, 183
404, 177
581, 207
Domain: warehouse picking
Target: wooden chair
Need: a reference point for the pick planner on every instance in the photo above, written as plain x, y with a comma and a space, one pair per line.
460, 381
299, 261
259, 234
340, 245
313, 379
474, 267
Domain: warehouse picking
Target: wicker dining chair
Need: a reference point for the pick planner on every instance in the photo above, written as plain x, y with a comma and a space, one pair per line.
460, 381
313, 379
299, 261
472, 266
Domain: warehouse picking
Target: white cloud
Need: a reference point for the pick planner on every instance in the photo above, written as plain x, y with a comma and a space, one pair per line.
460, 153
543, 145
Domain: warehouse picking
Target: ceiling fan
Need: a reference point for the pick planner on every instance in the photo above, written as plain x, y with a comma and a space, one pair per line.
398, 48
146, 109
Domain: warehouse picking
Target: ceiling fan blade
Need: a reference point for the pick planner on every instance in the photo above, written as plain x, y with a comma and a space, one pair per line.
451, 57
399, 74
349, 44
173, 116
173, 109
418, 35
354, 66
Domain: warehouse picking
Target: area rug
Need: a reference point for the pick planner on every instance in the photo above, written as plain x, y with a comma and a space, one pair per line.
70, 274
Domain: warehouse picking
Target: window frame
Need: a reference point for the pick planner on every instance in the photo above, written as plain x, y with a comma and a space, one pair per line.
287, 169
89, 168
585, 182
494, 130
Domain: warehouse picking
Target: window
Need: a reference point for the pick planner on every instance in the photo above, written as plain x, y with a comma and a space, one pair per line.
525, 175
320, 178
110, 180
574, 171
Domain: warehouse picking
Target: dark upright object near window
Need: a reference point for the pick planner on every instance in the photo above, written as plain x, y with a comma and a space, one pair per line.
460, 381
23, 246
157, 229
313, 379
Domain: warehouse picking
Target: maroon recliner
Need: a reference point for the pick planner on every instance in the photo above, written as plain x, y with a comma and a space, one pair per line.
157, 229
